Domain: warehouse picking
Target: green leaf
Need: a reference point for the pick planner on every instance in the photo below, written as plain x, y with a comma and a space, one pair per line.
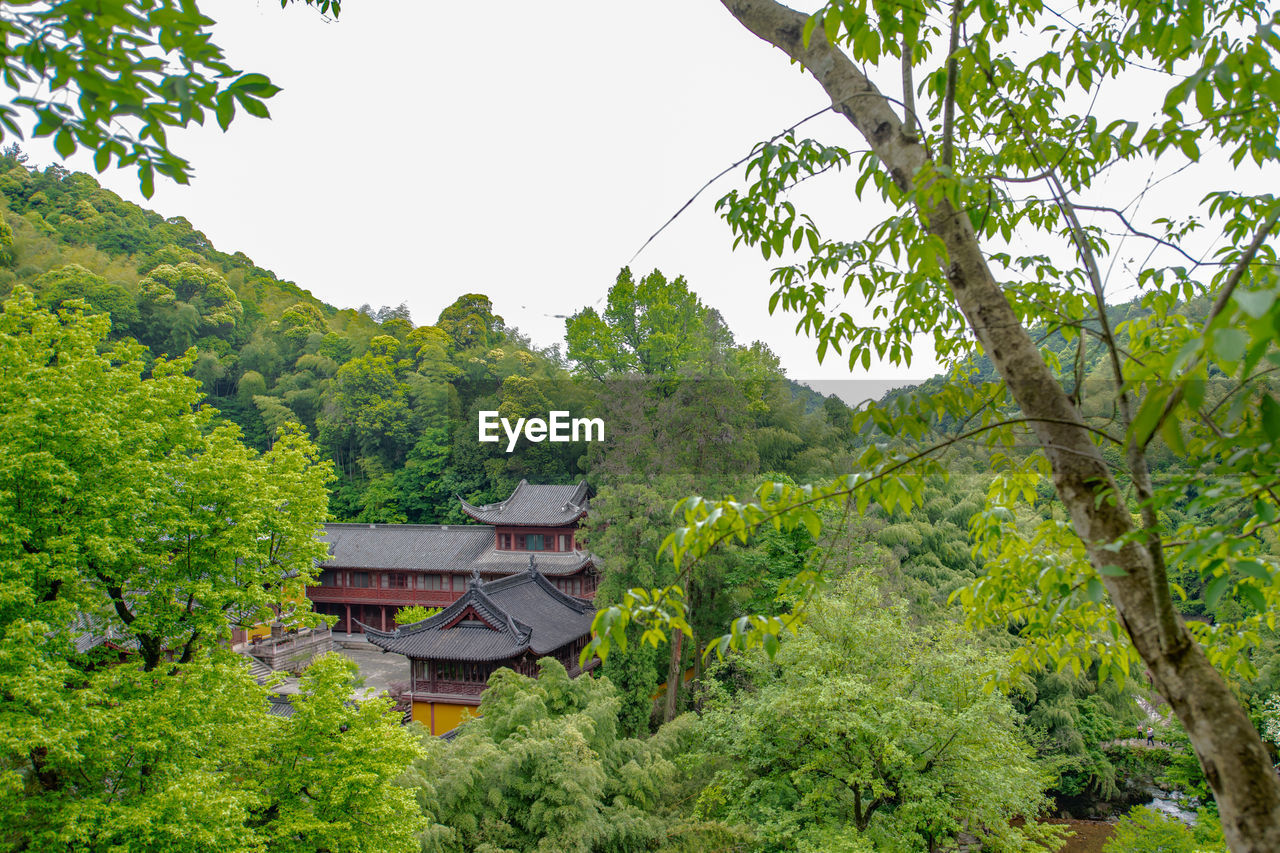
64, 143
1270, 410
1254, 569
1255, 303
1095, 591
807, 34
225, 110
254, 107
147, 180
1266, 511
1144, 423
812, 523
1171, 432
1184, 356
831, 27
255, 84
1214, 590
1112, 571
1253, 595
1228, 344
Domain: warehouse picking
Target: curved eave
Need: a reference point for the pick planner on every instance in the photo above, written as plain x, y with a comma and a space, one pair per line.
370, 631
494, 517
494, 657
399, 640
571, 601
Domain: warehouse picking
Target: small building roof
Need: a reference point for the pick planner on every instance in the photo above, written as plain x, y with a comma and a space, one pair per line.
535, 506
511, 615
89, 631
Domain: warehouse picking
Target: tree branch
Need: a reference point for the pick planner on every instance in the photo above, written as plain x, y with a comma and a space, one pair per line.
717, 177
908, 91
1219, 305
949, 98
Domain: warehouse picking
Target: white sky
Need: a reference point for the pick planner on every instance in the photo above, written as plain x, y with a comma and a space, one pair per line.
522, 150
421, 150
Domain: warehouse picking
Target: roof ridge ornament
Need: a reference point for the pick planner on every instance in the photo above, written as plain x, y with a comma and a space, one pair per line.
475, 582
533, 565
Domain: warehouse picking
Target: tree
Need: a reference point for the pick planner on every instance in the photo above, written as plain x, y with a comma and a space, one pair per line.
470, 322
164, 522
624, 531
543, 768
1146, 830
130, 517
651, 327
331, 779
298, 322
415, 613
114, 83
180, 304
990, 115
6, 244
75, 282
869, 732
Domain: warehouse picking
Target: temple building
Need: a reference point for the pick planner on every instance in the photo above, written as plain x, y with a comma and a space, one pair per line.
376, 569
510, 621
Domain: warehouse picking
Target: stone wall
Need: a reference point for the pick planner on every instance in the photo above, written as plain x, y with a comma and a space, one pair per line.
292, 650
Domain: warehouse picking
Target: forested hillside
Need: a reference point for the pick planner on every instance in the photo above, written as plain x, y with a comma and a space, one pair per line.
688, 409
394, 403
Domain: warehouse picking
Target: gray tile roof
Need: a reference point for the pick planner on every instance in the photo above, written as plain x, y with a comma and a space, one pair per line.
279, 706
89, 632
423, 547
450, 548
524, 612
550, 563
535, 506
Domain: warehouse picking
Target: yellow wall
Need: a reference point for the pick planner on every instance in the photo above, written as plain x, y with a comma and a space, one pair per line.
263, 629
447, 716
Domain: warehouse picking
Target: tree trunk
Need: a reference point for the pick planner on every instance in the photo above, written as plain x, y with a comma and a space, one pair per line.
673, 675
1235, 762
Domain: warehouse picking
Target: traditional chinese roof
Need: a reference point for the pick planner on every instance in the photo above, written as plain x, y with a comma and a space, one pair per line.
89, 632
535, 506
494, 621
447, 548
426, 547
551, 563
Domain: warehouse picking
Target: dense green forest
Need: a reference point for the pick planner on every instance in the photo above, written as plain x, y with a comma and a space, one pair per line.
1042, 586
856, 736
395, 404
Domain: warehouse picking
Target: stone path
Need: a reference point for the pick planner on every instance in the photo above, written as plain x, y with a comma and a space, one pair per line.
378, 669
1137, 743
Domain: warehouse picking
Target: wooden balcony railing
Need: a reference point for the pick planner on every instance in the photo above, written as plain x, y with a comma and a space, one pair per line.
461, 688
371, 595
